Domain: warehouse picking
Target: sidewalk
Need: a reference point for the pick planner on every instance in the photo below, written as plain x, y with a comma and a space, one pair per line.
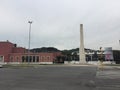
108, 78
108, 72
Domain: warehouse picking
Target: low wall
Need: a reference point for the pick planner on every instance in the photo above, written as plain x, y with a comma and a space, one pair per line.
71, 62
45, 62
98, 62
27, 63
89, 62
2, 63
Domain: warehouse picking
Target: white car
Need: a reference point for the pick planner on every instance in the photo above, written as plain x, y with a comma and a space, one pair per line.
0, 66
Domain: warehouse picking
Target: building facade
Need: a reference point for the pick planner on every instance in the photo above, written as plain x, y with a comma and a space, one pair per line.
10, 53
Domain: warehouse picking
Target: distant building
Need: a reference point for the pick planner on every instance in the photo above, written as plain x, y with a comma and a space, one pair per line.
10, 53
95, 55
116, 54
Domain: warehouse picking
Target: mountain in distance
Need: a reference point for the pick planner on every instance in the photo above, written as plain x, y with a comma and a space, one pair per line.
44, 49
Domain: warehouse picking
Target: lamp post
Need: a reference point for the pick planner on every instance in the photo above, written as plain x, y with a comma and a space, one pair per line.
30, 22
101, 54
119, 42
101, 58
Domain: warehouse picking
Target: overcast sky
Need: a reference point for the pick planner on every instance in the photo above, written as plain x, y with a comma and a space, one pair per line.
56, 23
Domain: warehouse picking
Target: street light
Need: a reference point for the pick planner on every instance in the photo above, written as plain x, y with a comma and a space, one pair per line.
30, 22
119, 42
101, 58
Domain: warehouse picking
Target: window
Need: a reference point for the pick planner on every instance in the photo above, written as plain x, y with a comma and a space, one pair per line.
43, 57
26, 58
1, 58
33, 58
30, 58
17, 59
48, 58
11, 58
37, 58
23, 58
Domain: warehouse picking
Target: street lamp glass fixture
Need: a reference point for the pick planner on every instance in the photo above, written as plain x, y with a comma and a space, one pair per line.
30, 22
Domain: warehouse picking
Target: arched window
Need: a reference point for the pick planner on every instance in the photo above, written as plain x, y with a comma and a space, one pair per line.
17, 59
1, 58
11, 58
37, 58
23, 58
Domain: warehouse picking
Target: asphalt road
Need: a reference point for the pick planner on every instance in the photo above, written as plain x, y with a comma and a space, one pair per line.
53, 78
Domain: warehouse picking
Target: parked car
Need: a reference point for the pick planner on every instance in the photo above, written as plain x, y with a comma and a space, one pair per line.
1, 65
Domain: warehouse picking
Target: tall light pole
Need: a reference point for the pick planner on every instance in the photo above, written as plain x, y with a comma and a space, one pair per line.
119, 42
30, 22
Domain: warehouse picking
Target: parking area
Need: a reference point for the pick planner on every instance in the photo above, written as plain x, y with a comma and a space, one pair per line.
54, 77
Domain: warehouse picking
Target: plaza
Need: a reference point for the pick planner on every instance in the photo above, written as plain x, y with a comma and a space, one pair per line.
60, 77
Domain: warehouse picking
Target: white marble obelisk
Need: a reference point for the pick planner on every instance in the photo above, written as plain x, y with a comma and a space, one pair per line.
81, 50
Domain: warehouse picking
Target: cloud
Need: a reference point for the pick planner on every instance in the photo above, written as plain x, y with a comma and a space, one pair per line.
56, 22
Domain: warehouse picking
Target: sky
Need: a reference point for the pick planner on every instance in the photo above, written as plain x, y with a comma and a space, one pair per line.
56, 23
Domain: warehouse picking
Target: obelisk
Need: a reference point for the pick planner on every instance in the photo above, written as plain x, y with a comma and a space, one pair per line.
81, 50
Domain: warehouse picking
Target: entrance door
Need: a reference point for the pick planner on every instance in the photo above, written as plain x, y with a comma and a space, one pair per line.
1, 58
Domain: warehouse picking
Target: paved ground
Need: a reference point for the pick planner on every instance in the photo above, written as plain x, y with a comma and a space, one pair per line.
59, 78
108, 78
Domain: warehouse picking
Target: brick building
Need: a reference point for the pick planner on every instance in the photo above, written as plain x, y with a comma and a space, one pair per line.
9, 52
